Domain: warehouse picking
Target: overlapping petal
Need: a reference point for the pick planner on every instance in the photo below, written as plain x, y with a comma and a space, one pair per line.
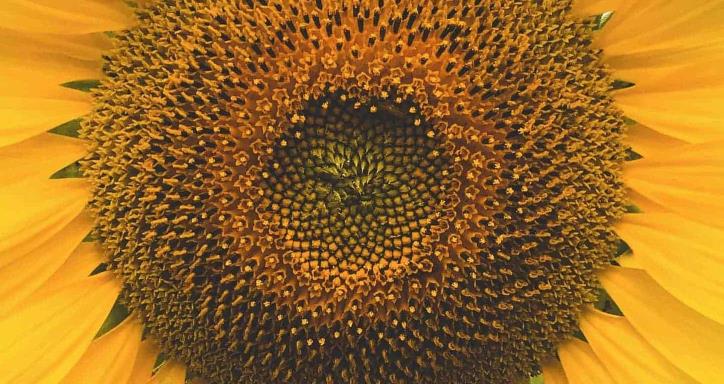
23, 273
682, 255
46, 335
553, 372
145, 359
109, 358
686, 338
33, 211
686, 180
626, 355
673, 51
65, 17
581, 364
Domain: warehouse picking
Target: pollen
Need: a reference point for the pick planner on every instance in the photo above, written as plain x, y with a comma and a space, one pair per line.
368, 191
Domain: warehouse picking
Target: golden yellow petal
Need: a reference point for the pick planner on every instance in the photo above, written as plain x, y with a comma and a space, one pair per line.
34, 65
686, 180
79, 265
65, 17
662, 26
110, 358
672, 50
145, 360
32, 68
648, 142
687, 339
38, 157
24, 117
45, 337
34, 210
171, 372
626, 355
23, 273
52, 49
691, 115
581, 364
553, 372
683, 256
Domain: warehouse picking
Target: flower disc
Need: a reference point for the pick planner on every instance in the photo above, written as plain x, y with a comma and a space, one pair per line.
356, 192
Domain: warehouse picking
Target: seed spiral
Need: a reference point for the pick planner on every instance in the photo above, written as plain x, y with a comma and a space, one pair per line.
369, 191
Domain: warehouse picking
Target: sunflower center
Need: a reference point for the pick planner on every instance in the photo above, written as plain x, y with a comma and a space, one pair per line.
352, 195
356, 192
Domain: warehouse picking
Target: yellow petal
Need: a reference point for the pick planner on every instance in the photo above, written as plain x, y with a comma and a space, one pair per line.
686, 180
32, 68
33, 211
43, 338
84, 260
648, 142
581, 364
145, 360
38, 157
25, 117
672, 50
110, 358
53, 50
65, 17
34, 65
553, 372
23, 273
628, 357
666, 26
690, 115
690, 341
683, 256
171, 372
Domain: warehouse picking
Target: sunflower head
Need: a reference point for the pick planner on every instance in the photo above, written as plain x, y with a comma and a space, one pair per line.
366, 191
377, 191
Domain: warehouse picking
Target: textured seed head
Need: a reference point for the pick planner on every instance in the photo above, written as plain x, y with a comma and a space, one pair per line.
364, 191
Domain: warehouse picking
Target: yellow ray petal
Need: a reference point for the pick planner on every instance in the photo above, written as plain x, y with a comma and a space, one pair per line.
581, 365
110, 358
22, 274
38, 157
687, 339
693, 116
84, 260
686, 180
171, 372
648, 142
52, 49
145, 360
24, 117
44, 337
628, 357
36, 64
65, 17
672, 50
683, 256
553, 372
647, 26
33, 211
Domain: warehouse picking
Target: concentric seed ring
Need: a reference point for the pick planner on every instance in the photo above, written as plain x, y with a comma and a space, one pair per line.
354, 197
379, 191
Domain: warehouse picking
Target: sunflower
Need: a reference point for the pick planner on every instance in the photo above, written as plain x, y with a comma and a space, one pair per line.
369, 191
